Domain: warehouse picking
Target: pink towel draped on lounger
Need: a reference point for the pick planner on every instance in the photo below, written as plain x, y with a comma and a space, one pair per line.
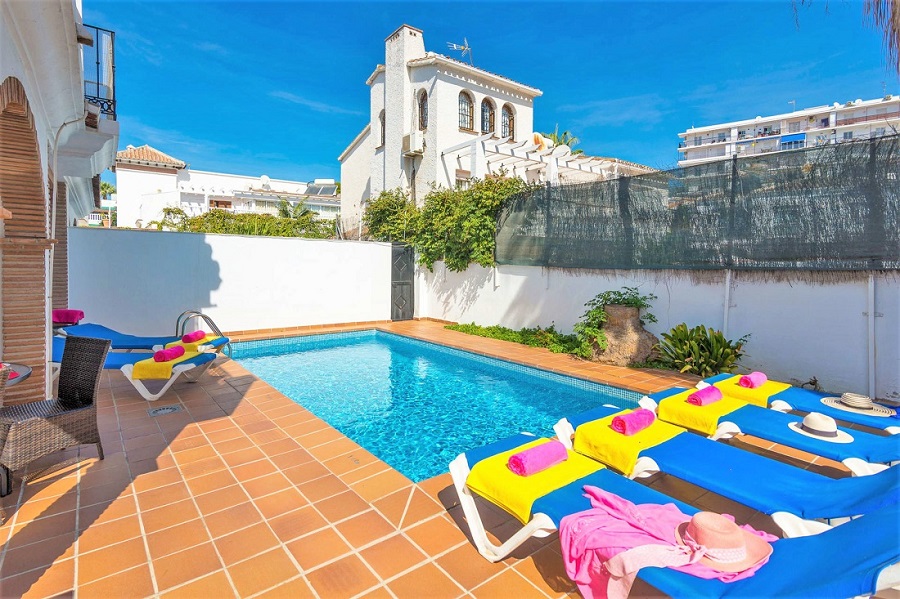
629, 424
537, 458
753, 380
191, 337
705, 396
67, 316
164, 355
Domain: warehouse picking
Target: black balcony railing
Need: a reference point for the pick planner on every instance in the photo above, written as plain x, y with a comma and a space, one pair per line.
100, 71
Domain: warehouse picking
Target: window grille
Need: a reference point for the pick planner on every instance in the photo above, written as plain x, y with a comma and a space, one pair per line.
466, 112
423, 110
508, 124
381, 123
487, 116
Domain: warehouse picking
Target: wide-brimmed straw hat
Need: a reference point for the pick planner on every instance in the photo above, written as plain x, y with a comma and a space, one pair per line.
858, 403
821, 427
729, 548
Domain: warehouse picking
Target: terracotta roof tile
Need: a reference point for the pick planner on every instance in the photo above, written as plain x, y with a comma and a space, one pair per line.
147, 155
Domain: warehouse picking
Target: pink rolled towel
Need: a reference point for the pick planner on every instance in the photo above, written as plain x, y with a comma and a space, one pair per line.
191, 337
12, 373
67, 316
634, 422
705, 396
537, 458
164, 355
753, 380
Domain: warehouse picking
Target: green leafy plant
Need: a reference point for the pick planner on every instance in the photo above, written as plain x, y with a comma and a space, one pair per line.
549, 338
391, 216
701, 350
589, 329
300, 223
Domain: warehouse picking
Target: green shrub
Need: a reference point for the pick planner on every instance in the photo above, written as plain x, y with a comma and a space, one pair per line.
391, 216
536, 337
589, 329
301, 223
702, 351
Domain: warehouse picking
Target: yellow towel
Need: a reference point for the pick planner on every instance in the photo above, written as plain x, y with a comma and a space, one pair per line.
492, 479
192, 347
703, 419
151, 369
598, 440
758, 397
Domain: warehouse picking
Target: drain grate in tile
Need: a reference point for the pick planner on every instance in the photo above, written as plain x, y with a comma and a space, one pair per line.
163, 410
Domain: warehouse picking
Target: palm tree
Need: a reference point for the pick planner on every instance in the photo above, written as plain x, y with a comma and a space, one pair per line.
883, 15
107, 189
563, 139
299, 211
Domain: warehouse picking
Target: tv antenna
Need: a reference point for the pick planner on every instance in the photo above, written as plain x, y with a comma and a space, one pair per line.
464, 48
793, 104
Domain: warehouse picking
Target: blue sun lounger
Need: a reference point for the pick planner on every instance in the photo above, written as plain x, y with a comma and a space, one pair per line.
866, 454
122, 341
807, 400
795, 498
857, 558
125, 361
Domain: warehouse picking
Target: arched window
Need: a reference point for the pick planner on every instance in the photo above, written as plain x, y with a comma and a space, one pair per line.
466, 112
423, 110
508, 123
487, 116
381, 123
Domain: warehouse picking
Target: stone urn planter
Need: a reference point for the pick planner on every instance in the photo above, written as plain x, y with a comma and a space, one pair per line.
627, 340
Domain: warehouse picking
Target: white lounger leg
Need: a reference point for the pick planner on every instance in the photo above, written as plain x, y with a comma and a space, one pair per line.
726, 430
539, 526
863, 468
138, 384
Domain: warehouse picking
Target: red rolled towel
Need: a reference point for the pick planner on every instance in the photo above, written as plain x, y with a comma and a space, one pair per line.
67, 316
634, 422
705, 396
164, 355
195, 336
753, 380
537, 458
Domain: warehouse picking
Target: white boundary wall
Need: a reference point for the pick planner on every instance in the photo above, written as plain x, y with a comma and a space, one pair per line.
798, 330
140, 281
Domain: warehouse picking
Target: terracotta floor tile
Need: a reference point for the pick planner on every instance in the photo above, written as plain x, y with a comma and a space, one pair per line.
333, 449
349, 461
392, 556
156, 479
279, 447
135, 582
230, 446
231, 519
393, 506
262, 572
365, 528
211, 482
467, 567
380, 485
162, 496
169, 515
178, 538
344, 578
38, 530
435, 486
317, 548
420, 507
436, 535
363, 472
201, 467
290, 459
300, 475
253, 470
183, 566
507, 584
52, 582
297, 588
246, 543
101, 535
296, 523
426, 577
38, 555
280, 502
546, 570
266, 485
243, 456
215, 501
110, 560
100, 513
214, 585
104, 493
377, 593
34, 509
320, 488
716, 503
341, 506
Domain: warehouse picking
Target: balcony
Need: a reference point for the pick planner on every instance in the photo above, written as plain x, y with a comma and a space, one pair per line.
869, 117
100, 70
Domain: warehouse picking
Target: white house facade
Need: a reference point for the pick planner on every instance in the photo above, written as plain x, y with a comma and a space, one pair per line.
436, 121
805, 128
148, 180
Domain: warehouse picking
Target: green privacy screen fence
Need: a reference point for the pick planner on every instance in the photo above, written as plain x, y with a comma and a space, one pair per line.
834, 207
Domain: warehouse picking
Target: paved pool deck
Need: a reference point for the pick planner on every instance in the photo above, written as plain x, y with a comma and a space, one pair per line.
244, 493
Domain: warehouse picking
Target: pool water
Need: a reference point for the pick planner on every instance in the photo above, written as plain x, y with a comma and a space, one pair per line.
417, 405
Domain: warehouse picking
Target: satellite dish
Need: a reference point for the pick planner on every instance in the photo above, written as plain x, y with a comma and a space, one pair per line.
265, 182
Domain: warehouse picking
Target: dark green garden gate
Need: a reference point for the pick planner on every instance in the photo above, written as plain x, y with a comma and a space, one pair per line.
402, 282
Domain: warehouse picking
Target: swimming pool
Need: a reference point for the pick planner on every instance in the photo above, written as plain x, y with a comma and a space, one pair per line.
417, 405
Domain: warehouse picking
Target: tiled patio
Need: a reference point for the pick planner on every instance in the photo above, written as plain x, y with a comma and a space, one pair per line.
244, 493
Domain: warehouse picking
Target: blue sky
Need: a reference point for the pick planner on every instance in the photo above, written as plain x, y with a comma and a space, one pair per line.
278, 88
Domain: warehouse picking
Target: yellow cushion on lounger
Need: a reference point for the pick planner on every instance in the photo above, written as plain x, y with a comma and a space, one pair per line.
598, 440
492, 479
151, 369
758, 397
194, 346
703, 419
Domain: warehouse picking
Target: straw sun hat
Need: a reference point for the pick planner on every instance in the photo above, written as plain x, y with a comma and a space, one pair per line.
860, 404
729, 548
821, 427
